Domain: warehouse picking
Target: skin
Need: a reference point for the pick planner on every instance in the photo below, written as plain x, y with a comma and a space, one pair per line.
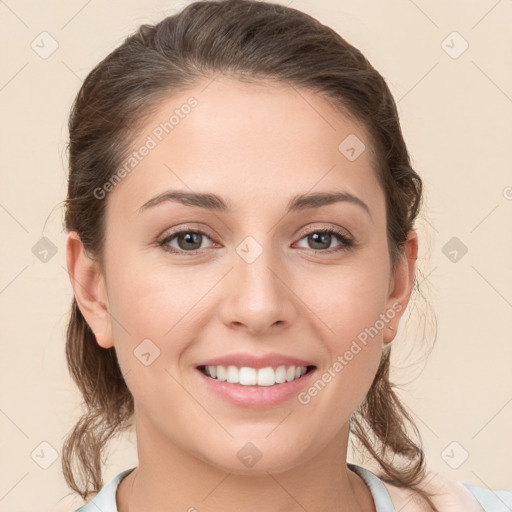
256, 145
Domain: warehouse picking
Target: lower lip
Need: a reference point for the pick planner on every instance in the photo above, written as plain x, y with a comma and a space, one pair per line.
257, 396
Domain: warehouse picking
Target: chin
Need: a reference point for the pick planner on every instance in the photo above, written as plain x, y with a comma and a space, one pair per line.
250, 461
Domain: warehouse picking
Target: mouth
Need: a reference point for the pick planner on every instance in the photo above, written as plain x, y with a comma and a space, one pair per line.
269, 376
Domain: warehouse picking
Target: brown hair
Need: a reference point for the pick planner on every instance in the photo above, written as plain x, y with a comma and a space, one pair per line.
249, 40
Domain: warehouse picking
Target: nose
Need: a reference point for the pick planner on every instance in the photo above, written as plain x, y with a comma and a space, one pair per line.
258, 295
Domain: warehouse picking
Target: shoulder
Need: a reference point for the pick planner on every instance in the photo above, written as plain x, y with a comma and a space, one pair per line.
446, 494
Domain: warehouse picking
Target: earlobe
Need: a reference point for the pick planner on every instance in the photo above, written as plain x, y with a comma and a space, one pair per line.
401, 284
89, 289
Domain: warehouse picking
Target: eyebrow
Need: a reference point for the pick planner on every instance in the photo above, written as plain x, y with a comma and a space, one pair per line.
214, 202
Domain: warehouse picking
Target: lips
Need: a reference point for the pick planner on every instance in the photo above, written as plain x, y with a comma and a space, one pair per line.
250, 381
268, 395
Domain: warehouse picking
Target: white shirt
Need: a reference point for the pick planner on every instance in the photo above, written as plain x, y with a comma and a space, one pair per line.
461, 496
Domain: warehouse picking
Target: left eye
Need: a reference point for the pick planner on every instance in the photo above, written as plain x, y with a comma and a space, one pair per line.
325, 236
190, 241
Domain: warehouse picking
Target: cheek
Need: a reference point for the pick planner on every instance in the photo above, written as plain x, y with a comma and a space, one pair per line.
153, 327
159, 303
152, 297
350, 306
353, 302
351, 298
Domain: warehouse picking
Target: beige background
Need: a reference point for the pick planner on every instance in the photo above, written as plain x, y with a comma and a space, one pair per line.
456, 117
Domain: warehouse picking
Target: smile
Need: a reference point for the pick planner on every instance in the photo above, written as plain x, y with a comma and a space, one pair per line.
247, 376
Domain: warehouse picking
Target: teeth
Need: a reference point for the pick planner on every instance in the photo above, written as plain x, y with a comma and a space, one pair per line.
247, 376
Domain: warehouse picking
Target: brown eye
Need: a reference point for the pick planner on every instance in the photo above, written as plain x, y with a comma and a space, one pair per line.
320, 240
186, 240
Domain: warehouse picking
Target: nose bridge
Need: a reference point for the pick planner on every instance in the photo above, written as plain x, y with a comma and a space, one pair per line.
256, 266
257, 297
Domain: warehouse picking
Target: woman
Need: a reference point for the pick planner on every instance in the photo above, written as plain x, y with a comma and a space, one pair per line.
241, 247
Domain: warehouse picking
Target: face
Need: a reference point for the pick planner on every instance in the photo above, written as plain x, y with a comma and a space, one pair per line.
257, 277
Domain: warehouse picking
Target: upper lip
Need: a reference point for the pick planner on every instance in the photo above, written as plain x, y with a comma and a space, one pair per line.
253, 361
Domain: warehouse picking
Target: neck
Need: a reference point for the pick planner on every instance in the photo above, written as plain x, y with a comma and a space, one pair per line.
171, 479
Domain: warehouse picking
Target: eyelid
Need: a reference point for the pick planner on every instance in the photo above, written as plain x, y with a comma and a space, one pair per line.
186, 227
313, 229
303, 232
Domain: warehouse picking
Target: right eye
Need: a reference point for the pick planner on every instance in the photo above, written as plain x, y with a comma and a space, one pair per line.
188, 241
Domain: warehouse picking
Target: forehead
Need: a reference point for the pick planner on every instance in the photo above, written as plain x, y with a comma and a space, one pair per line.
263, 140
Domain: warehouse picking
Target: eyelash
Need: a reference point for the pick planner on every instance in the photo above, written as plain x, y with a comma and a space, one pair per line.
347, 243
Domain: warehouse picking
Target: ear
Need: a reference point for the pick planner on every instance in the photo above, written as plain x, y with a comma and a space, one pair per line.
89, 289
401, 283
